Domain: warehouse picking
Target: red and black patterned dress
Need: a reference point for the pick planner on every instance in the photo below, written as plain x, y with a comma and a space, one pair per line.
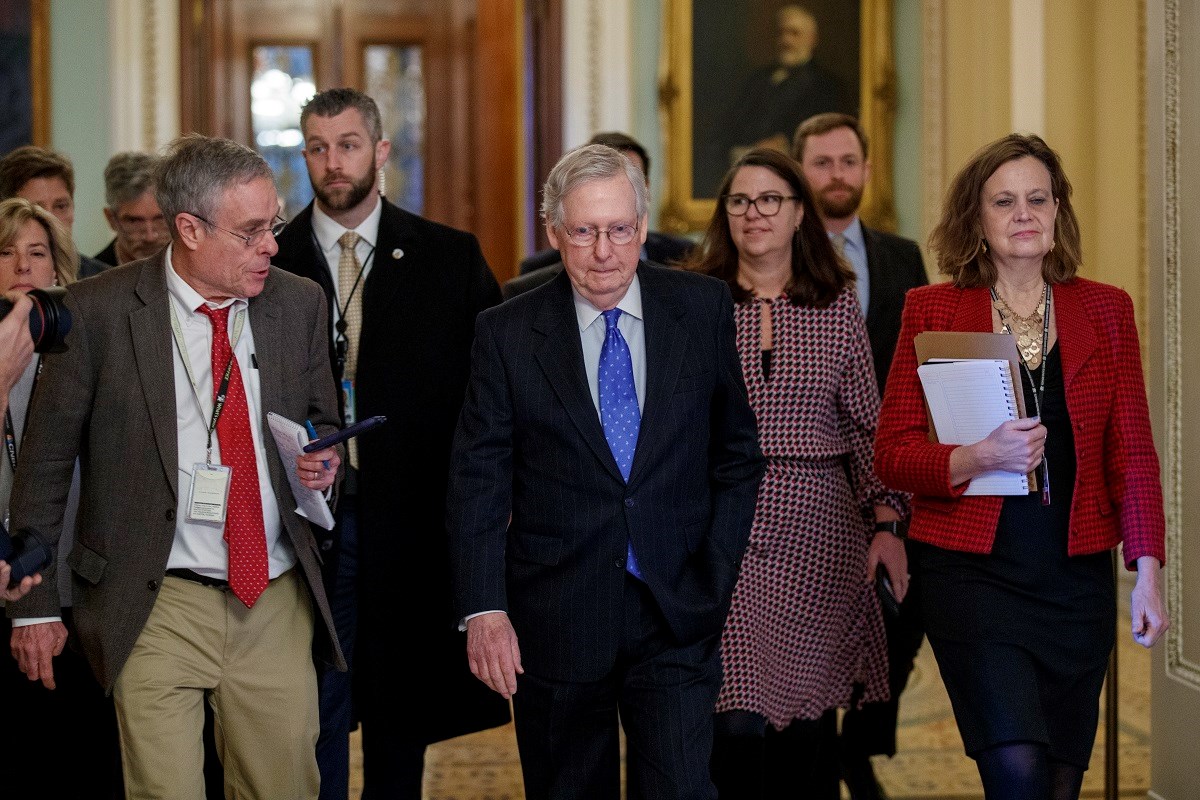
805, 626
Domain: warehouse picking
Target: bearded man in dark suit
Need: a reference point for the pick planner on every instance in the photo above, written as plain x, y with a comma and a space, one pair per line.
832, 151
604, 477
194, 580
403, 294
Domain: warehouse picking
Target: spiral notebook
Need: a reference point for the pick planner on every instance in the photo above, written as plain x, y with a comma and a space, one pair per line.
967, 400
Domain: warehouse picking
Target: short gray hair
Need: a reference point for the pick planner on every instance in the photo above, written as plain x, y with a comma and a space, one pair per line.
127, 177
591, 162
332, 102
196, 170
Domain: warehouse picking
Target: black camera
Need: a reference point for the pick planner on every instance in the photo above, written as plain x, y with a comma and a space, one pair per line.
27, 553
49, 319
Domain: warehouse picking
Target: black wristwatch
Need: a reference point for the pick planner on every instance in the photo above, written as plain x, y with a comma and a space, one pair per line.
896, 527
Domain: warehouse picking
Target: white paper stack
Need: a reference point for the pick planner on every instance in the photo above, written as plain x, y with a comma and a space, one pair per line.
968, 399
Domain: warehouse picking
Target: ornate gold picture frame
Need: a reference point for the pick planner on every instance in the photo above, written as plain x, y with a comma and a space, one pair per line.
685, 208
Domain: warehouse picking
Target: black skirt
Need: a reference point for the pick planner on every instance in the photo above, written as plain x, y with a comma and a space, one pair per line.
1022, 635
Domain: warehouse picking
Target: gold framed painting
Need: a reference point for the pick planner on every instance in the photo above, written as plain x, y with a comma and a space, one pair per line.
24, 73
746, 73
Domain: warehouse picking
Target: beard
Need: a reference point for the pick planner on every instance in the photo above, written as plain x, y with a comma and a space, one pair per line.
344, 199
842, 207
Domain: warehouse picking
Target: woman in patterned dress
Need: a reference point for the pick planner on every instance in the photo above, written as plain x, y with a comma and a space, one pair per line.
804, 636
1017, 593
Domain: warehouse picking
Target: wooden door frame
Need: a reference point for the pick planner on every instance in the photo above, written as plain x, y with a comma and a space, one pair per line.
545, 26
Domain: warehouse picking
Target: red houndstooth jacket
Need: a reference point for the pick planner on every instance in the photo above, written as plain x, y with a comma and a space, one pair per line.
1118, 496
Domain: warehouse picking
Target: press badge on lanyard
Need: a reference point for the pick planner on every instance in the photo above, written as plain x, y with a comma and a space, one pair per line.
210, 493
208, 500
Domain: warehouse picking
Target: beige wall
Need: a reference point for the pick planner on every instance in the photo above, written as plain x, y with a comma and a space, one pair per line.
1094, 118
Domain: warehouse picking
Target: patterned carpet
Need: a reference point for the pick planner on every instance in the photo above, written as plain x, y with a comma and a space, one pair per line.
929, 766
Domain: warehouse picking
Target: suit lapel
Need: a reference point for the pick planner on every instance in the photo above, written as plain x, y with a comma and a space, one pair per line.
561, 360
305, 258
666, 343
974, 311
265, 323
877, 274
1077, 346
150, 332
396, 245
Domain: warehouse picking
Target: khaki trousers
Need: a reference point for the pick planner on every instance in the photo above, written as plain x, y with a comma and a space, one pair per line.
255, 667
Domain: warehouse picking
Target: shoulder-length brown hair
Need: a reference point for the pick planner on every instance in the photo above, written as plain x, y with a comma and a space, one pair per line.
818, 275
16, 211
958, 237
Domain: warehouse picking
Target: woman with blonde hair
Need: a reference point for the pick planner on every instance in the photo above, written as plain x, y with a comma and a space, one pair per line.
71, 710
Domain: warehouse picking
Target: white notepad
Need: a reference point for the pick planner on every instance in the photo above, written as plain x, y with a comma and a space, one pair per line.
968, 399
290, 438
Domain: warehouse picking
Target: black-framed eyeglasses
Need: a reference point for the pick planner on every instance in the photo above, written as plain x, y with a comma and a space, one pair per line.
252, 239
766, 204
588, 235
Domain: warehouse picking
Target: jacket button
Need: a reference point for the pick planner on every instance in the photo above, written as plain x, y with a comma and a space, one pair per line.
629, 502
619, 563
170, 514
152, 586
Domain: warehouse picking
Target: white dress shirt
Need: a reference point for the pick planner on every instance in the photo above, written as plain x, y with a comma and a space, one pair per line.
328, 231
856, 254
200, 546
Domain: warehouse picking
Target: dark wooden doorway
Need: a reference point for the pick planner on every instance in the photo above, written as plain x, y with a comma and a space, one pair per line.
447, 73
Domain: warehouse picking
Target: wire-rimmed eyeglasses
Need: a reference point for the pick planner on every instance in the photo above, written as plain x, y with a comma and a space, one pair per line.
766, 204
588, 235
252, 239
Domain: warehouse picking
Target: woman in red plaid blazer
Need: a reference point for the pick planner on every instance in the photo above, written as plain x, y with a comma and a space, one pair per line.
1017, 593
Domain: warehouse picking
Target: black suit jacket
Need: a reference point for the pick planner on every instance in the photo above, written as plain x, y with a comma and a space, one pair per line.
530, 443
895, 266
661, 248
106, 256
91, 267
426, 285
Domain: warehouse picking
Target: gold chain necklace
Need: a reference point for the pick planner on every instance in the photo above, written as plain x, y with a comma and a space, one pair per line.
1028, 330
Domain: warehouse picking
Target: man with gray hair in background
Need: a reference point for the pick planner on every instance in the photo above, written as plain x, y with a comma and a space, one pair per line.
132, 210
602, 484
194, 579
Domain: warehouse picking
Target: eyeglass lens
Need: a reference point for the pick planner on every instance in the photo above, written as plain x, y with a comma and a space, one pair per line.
767, 204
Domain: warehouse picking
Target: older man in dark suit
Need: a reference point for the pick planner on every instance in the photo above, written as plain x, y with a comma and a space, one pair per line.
604, 478
404, 293
194, 578
832, 151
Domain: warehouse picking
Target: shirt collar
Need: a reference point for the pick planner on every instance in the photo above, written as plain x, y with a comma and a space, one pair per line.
328, 230
854, 234
631, 304
188, 298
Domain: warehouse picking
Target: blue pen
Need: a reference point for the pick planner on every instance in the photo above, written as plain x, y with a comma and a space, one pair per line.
312, 434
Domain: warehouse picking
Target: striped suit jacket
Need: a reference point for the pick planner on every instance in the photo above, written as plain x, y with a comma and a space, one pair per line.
1118, 496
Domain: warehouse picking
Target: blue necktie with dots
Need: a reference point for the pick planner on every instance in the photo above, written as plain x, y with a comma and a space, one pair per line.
619, 414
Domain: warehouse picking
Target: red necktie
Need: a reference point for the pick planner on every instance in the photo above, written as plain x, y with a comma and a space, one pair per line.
244, 530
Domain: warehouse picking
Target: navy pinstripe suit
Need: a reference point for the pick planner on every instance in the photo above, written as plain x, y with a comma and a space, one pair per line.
530, 444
